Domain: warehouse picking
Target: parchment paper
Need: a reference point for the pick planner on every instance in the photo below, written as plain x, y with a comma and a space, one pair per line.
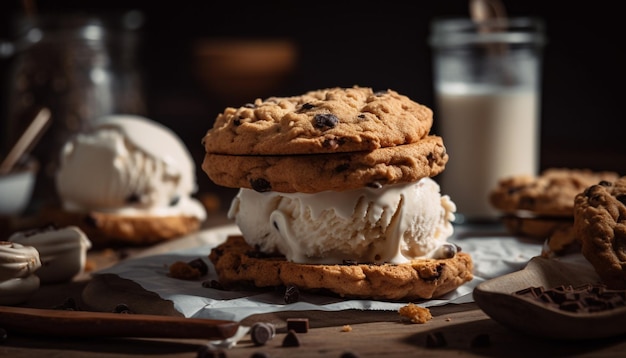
494, 252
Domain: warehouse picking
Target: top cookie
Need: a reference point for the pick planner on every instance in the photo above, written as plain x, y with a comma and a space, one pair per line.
319, 122
551, 193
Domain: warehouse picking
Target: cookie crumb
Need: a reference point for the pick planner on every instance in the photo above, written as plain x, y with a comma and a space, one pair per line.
346, 328
415, 313
184, 271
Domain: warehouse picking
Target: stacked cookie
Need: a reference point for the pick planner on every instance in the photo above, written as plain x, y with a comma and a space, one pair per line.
331, 182
543, 206
333, 139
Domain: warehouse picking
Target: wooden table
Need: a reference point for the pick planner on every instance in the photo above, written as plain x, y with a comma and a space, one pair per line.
466, 329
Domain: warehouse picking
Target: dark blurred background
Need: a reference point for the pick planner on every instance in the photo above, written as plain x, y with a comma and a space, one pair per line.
378, 44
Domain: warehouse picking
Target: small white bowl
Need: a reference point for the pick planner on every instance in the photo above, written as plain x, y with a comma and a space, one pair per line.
16, 188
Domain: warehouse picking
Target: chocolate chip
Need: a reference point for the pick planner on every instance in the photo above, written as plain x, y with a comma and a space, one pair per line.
122, 308
448, 251
237, 121
133, 198
307, 106
68, 305
291, 339
342, 167
435, 340
212, 284
262, 333
91, 220
261, 185
325, 120
527, 202
362, 116
199, 265
349, 355
292, 294
175, 200
330, 143
380, 93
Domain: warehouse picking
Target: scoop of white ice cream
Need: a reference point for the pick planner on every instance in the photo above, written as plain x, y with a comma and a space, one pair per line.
129, 165
394, 223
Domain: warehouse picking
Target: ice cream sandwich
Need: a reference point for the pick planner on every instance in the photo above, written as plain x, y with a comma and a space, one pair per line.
336, 193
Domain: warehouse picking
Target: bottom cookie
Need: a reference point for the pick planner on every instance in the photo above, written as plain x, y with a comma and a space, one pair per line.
237, 263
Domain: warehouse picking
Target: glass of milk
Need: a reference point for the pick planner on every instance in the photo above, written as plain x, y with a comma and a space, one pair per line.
487, 91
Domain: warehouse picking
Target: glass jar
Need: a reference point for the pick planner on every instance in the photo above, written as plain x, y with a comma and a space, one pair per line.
80, 67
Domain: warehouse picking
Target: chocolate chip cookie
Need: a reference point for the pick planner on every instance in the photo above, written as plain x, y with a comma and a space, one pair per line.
237, 263
333, 120
340, 171
543, 206
105, 229
600, 223
549, 194
329, 139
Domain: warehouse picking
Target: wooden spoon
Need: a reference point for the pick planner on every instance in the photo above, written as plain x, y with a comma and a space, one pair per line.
66, 323
27, 140
497, 298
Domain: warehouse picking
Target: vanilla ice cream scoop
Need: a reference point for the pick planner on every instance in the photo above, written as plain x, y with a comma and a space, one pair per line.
129, 165
388, 224
18, 264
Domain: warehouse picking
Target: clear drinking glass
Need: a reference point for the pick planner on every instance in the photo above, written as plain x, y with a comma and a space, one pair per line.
487, 85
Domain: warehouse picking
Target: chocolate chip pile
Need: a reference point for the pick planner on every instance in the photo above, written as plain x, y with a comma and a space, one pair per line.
581, 299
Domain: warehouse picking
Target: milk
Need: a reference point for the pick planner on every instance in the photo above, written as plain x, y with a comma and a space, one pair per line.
489, 133
486, 76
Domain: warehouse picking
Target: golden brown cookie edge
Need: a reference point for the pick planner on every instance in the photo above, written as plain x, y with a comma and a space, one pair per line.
419, 279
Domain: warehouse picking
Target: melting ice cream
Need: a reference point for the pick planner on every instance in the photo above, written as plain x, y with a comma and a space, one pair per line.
393, 223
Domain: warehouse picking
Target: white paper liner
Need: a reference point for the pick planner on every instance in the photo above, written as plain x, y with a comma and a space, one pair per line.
493, 251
